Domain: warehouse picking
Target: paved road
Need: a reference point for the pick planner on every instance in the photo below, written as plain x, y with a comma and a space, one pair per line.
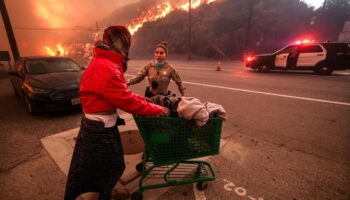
290, 131
289, 135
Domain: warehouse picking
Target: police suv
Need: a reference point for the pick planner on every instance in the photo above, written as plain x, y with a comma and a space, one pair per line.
321, 57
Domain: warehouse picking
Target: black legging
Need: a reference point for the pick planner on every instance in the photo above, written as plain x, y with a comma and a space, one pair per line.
97, 162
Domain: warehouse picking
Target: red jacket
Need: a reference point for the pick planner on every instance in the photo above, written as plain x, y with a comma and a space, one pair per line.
103, 87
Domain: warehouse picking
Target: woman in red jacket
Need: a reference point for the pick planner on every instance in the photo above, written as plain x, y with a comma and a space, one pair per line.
98, 162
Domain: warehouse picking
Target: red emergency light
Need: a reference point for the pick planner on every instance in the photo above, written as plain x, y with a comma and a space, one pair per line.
249, 59
305, 41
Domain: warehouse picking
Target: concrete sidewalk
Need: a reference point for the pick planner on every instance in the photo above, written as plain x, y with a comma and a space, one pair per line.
60, 147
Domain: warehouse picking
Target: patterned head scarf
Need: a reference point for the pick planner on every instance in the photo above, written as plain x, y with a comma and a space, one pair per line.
163, 45
116, 38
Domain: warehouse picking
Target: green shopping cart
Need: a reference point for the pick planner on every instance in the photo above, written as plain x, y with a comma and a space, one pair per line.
171, 144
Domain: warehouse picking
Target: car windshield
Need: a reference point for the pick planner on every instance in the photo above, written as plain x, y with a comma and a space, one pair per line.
51, 65
280, 50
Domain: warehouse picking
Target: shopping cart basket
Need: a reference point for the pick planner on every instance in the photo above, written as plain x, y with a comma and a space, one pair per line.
171, 144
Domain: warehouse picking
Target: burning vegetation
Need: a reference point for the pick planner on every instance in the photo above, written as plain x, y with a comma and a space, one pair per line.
161, 10
59, 51
219, 27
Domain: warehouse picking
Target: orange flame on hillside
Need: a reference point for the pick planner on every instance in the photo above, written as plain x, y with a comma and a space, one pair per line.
59, 51
153, 14
163, 10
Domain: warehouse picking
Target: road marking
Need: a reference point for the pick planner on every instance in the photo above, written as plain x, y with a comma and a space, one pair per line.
266, 93
200, 69
208, 69
240, 191
229, 185
271, 94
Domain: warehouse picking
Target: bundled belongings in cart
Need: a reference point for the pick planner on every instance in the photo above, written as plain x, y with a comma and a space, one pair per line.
172, 142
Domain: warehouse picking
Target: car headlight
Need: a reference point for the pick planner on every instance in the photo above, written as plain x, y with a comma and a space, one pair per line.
40, 90
35, 90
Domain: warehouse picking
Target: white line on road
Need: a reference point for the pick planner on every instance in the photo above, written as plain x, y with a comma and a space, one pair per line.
271, 94
266, 93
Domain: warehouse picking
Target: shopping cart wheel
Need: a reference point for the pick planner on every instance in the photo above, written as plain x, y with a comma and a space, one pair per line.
140, 167
135, 196
202, 185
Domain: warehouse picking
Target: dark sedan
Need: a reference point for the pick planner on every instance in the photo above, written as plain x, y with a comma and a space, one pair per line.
47, 83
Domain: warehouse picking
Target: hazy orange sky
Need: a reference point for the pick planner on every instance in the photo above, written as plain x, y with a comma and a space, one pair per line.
34, 21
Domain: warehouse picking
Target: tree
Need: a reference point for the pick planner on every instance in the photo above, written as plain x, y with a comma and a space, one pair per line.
332, 17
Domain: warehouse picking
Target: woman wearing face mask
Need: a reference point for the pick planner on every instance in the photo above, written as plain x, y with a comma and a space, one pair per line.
159, 74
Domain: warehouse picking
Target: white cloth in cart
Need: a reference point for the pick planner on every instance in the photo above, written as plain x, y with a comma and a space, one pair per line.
216, 110
192, 108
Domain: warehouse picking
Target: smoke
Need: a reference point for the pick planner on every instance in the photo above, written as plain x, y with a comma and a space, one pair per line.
40, 23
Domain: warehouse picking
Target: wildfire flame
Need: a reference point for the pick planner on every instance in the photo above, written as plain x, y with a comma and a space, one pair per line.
194, 4
60, 51
153, 14
163, 10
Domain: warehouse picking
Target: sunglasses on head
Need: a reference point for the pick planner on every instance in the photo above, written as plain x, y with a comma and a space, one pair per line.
160, 52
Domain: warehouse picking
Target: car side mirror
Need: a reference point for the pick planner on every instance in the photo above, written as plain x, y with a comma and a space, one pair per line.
13, 73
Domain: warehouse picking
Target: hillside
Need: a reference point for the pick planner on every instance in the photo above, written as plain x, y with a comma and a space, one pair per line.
219, 30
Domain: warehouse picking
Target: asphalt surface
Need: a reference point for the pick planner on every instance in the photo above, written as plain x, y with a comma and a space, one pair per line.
289, 135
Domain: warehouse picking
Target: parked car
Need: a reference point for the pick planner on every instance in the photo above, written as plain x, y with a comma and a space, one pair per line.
321, 57
46, 83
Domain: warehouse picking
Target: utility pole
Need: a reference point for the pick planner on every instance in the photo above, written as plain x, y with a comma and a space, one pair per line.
9, 31
247, 35
190, 30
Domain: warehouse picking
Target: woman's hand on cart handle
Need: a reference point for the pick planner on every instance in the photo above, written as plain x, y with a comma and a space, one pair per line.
165, 111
